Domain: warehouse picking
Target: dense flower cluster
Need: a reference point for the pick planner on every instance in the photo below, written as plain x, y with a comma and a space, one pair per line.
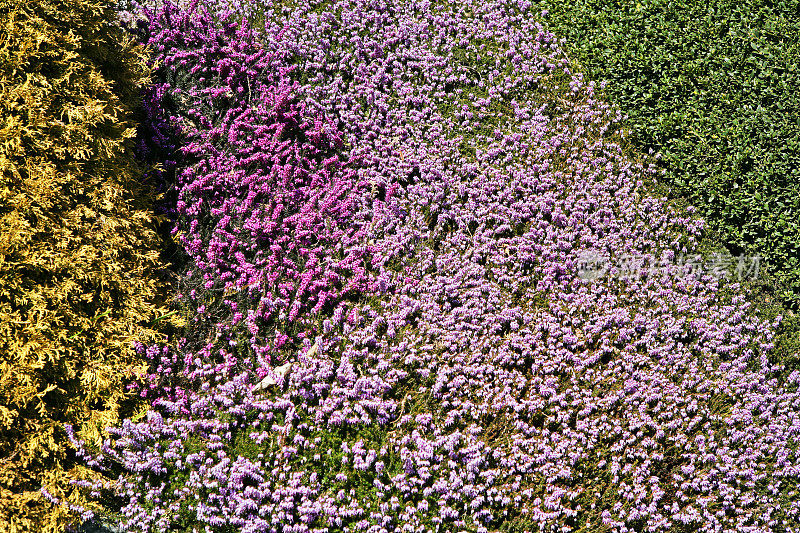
478, 382
265, 207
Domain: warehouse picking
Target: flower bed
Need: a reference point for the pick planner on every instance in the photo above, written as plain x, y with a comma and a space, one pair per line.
451, 369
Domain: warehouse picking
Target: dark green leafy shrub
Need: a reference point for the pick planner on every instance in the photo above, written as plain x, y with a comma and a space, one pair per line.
713, 86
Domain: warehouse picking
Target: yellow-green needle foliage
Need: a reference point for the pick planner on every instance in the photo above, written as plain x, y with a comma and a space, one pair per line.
79, 253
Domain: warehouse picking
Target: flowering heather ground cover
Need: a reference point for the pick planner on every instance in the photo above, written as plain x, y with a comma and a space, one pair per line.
393, 197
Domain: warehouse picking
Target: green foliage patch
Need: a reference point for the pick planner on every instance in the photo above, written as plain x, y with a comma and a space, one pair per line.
712, 86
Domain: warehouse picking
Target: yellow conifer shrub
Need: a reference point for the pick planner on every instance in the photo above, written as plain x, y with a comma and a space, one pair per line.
79, 260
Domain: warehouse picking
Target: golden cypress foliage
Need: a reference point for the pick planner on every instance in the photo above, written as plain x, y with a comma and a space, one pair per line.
79, 253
